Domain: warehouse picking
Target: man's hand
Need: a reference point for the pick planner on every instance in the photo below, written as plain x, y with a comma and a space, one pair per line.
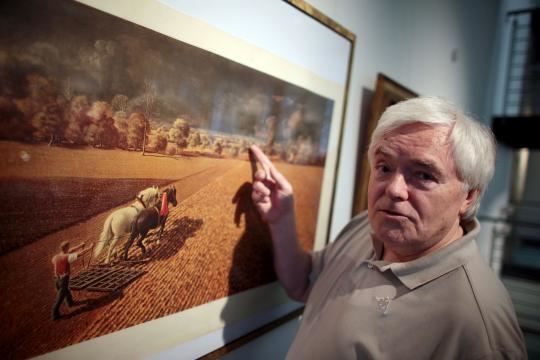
272, 193
76, 248
84, 251
273, 196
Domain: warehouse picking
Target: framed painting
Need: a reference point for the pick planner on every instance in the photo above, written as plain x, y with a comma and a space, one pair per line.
387, 92
128, 227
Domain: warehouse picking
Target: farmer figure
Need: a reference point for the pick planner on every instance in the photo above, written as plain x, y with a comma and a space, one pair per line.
164, 208
61, 263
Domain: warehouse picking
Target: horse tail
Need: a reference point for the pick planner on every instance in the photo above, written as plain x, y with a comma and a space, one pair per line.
105, 237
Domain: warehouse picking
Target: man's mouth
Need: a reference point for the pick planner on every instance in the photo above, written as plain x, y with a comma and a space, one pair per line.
394, 213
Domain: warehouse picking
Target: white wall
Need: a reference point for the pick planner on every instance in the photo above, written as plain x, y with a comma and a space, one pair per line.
412, 42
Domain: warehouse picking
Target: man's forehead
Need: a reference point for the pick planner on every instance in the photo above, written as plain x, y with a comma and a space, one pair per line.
386, 149
423, 146
415, 130
418, 135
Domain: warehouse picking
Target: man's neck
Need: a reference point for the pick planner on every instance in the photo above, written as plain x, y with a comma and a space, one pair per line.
392, 255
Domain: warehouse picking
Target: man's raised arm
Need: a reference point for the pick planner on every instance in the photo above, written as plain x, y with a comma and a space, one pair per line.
273, 196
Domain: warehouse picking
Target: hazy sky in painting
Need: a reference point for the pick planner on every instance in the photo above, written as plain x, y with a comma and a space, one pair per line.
101, 56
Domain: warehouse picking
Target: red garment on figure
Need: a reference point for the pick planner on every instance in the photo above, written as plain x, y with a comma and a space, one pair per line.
164, 205
61, 265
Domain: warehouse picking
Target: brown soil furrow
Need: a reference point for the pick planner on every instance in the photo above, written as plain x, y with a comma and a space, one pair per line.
204, 255
160, 285
43, 162
32, 292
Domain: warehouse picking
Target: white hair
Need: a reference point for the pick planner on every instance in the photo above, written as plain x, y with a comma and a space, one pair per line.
473, 144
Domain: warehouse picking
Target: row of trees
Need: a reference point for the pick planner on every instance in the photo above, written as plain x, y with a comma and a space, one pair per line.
47, 115
181, 137
79, 122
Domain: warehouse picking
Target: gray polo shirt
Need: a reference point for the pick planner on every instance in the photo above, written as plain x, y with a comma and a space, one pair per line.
446, 305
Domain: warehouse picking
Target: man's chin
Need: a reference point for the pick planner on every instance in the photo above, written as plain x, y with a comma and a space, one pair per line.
395, 235
391, 222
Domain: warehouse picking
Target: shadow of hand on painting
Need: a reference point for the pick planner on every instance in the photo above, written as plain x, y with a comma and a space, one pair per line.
252, 263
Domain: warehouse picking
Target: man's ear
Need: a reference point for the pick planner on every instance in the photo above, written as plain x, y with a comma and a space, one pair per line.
472, 195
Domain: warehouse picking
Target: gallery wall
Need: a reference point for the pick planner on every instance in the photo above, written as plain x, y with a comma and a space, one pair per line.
442, 48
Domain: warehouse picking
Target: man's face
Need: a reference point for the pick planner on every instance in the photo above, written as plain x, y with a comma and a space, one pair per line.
415, 197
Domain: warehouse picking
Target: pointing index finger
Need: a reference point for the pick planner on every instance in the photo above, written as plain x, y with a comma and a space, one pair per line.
262, 159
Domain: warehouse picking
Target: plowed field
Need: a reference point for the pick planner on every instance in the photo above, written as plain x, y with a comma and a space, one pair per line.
214, 244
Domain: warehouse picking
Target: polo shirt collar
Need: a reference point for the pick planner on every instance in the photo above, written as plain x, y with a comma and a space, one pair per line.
427, 268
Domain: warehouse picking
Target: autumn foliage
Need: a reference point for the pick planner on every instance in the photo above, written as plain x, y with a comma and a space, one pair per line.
46, 114
49, 114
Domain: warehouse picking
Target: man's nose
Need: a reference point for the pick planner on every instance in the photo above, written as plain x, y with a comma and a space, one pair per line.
397, 188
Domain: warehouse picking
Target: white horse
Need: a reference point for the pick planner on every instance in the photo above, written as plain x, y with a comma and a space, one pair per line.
118, 224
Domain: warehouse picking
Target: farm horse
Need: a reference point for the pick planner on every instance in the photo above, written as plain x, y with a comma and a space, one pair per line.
119, 223
151, 218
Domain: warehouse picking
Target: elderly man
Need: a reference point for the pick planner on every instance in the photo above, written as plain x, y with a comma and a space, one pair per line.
404, 280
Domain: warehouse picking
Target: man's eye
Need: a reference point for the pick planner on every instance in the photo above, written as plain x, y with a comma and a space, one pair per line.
382, 168
424, 176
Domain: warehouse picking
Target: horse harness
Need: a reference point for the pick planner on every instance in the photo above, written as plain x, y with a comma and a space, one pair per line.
141, 201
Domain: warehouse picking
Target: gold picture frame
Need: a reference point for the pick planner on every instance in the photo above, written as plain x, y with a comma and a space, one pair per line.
387, 93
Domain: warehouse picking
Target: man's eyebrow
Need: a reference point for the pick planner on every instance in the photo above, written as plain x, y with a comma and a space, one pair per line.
381, 151
429, 165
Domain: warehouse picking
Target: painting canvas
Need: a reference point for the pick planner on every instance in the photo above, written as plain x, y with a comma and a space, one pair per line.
100, 119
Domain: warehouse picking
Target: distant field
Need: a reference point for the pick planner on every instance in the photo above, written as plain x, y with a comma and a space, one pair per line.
214, 245
50, 188
37, 207
31, 161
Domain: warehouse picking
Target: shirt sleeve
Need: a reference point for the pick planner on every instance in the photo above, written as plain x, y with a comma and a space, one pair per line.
320, 258
72, 257
316, 265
